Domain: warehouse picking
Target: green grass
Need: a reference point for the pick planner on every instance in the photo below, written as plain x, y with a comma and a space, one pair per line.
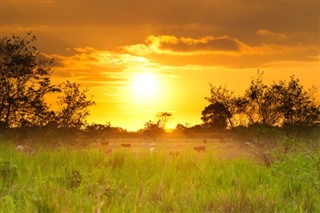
88, 181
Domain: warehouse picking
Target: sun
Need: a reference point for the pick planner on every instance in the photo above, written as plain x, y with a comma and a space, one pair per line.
145, 85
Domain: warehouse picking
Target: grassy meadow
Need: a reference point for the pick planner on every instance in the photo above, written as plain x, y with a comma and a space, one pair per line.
94, 180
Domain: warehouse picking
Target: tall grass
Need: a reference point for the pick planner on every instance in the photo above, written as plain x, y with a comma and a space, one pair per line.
90, 181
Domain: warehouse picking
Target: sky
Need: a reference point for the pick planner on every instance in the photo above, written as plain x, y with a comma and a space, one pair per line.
138, 58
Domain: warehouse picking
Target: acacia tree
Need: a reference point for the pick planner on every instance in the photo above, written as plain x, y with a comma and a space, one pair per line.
24, 81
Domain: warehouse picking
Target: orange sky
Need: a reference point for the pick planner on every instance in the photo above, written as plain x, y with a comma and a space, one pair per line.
139, 58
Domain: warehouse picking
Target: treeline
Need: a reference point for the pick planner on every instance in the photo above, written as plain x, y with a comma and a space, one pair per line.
281, 104
26, 87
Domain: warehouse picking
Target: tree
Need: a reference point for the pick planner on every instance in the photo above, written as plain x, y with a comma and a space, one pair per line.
222, 108
215, 116
180, 129
281, 103
154, 129
163, 118
24, 82
261, 103
297, 106
74, 106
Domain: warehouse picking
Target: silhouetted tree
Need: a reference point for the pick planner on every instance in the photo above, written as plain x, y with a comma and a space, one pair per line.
262, 103
74, 106
180, 129
24, 82
281, 103
215, 116
163, 118
297, 106
154, 129
222, 108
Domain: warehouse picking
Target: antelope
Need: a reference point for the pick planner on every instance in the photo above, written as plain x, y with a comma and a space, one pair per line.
24, 148
108, 150
200, 148
172, 153
152, 149
126, 145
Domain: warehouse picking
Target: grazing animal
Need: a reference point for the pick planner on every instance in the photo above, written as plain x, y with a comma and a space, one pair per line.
20, 148
248, 143
152, 144
200, 148
126, 145
172, 153
24, 148
104, 142
144, 145
108, 150
152, 149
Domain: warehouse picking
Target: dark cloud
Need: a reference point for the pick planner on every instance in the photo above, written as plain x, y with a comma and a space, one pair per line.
105, 22
203, 44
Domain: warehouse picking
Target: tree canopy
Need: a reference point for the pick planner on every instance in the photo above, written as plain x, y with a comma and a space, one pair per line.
281, 103
25, 81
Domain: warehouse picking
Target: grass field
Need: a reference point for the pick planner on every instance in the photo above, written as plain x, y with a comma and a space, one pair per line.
131, 180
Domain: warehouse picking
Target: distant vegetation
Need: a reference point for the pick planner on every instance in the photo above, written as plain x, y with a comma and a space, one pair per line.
281, 104
25, 85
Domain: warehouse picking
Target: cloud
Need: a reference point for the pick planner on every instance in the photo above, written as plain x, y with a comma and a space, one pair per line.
89, 65
224, 51
208, 43
270, 34
184, 45
221, 46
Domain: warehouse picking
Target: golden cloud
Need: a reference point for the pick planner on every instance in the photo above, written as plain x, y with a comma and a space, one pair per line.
270, 34
89, 65
169, 44
222, 51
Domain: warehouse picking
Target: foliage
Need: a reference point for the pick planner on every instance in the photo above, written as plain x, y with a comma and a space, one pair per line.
104, 130
25, 82
215, 116
223, 108
280, 104
74, 106
154, 129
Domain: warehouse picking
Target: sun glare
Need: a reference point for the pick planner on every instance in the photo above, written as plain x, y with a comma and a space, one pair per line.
145, 85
